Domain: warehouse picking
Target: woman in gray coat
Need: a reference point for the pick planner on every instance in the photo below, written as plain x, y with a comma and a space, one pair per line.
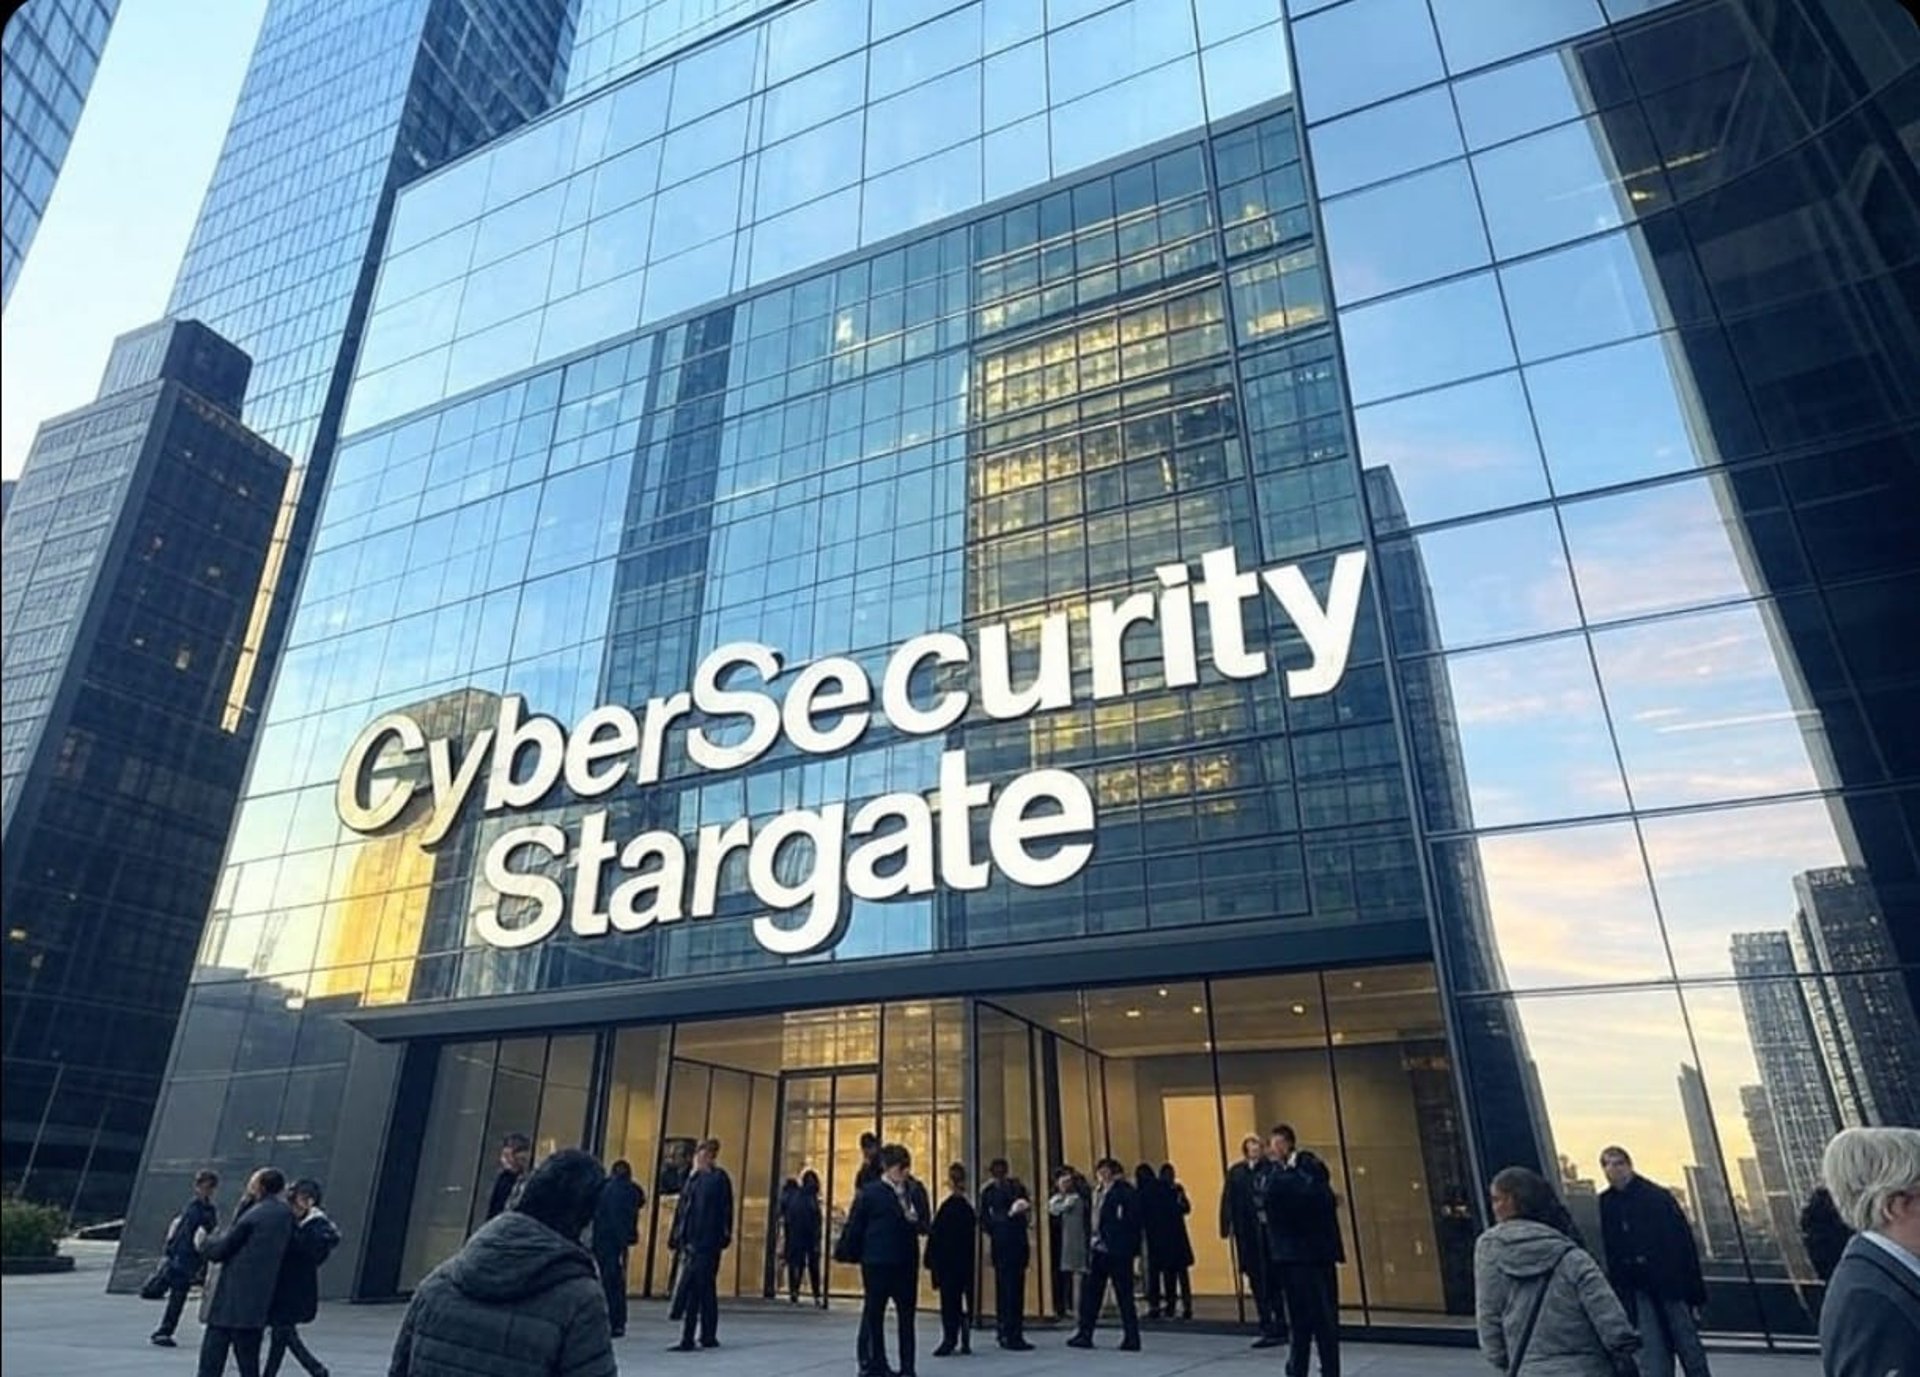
1069, 1205
1523, 1264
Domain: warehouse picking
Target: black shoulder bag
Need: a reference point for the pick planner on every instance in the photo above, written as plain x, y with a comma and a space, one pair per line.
1519, 1354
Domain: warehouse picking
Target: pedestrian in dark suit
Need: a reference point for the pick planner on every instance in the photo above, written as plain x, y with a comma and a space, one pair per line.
868, 1173
197, 1217
1300, 1216
296, 1297
1005, 1217
249, 1251
882, 1237
516, 1158
1870, 1320
1114, 1246
702, 1231
1240, 1221
616, 1228
951, 1253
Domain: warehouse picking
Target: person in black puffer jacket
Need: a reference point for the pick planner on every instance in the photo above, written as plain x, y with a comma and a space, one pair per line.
522, 1298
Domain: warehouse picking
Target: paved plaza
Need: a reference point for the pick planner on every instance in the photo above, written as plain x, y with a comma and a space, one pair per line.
67, 1325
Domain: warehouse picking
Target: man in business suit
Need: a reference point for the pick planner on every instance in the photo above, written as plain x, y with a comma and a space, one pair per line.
1113, 1245
702, 1231
249, 1251
882, 1237
1870, 1320
1299, 1215
1006, 1215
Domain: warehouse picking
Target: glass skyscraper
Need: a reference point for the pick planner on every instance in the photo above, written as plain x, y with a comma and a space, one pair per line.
1066, 579
133, 546
49, 52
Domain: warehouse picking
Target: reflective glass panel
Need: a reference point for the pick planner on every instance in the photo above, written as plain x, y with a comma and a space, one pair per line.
1385, 140
1657, 549
1476, 32
1479, 582
1363, 52
1425, 338
1563, 184
1703, 710
1592, 441
1372, 244
1449, 452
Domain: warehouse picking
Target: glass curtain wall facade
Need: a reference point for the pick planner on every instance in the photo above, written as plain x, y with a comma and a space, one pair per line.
49, 54
841, 326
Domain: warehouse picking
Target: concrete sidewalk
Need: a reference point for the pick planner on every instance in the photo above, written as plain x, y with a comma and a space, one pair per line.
67, 1326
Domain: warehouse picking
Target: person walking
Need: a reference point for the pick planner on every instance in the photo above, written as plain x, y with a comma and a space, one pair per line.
702, 1231
1823, 1233
1300, 1217
296, 1296
1240, 1222
1870, 1320
1113, 1245
1006, 1217
516, 1156
1071, 1210
521, 1298
868, 1173
197, 1220
1654, 1265
951, 1252
882, 1237
801, 1225
616, 1228
235, 1312
1172, 1248
1541, 1304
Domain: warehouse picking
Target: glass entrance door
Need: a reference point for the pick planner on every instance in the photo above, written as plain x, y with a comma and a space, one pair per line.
822, 1115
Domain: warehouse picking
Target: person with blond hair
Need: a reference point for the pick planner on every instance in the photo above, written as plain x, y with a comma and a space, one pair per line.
1870, 1320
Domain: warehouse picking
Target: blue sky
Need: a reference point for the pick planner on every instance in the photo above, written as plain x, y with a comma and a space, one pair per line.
105, 257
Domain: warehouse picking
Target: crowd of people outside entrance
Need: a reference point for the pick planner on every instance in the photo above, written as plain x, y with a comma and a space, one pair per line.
526, 1296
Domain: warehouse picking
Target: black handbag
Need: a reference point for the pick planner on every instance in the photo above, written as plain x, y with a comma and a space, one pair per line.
158, 1283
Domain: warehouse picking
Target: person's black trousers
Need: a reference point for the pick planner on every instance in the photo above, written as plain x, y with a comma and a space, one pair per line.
1010, 1302
176, 1305
1176, 1289
879, 1285
1104, 1271
701, 1296
284, 1339
1252, 1257
956, 1313
216, 1341
1313, 1305
810, 1265
1063, 1297
613, 1281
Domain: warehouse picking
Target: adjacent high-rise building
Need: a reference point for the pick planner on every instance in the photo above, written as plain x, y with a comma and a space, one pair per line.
1793, 1072
133, 545
48, 55
1861, 1007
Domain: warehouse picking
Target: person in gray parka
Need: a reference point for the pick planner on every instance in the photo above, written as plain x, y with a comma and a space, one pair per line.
1580, 1329
522, 1298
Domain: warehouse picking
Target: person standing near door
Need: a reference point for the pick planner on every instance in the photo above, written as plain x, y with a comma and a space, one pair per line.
1070, 1209
1240, 1221
702, 1231
616, 1228
1171, 1246
1114, 1246
951, 1254
882, 1237
801, 1226
1005, 1218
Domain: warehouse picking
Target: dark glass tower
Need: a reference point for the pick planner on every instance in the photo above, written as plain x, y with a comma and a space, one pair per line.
51, 49
343, 104
140, 529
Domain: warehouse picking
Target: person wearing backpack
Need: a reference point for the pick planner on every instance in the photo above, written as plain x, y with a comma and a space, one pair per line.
1542, 1304
296, 1294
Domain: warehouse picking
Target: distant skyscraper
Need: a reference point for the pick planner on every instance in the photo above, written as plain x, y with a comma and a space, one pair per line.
49, 53
1780, 1028
1864, 1016
1755, 1217
344, 103
1706, 1178
134, 543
